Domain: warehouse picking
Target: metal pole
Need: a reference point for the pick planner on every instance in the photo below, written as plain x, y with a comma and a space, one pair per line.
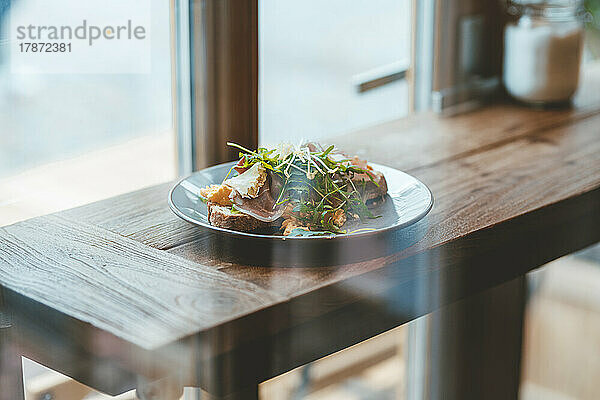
224, 78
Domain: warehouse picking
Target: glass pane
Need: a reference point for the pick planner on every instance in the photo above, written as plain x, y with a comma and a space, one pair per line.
71, 138
311, 55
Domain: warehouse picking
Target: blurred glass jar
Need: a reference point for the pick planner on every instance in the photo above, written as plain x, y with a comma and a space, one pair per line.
542, 50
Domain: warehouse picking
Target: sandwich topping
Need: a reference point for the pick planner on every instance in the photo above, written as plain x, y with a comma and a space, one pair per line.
300, 190
249, 183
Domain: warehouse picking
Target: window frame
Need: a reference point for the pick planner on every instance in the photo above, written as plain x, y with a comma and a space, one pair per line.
204, 120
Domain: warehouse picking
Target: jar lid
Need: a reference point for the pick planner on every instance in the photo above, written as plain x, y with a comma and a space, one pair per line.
549, 3
551, 9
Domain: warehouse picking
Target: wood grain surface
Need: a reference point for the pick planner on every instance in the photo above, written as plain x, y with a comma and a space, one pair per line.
113, 281
513, 187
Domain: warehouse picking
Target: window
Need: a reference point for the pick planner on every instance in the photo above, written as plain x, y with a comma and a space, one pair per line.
69, 139
315, 54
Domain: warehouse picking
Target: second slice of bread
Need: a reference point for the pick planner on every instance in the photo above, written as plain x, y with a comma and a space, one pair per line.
224, 217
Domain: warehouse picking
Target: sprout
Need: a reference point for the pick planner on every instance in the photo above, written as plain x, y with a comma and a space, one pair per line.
316, 183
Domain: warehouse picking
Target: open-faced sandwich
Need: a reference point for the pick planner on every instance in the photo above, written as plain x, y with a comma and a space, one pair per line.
294, 190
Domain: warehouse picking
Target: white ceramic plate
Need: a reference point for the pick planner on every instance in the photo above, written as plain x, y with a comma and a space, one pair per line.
408, 201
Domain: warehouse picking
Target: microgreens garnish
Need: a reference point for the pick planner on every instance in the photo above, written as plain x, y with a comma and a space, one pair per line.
316, 184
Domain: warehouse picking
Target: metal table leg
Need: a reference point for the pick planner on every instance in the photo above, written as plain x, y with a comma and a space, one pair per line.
470, 349
11, 371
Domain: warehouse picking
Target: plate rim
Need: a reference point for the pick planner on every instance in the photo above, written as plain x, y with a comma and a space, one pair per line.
342, 236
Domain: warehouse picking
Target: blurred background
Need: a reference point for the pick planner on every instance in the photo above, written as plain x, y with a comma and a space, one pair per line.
67, 140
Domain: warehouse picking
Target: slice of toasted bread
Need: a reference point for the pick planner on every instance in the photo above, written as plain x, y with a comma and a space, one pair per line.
224, 217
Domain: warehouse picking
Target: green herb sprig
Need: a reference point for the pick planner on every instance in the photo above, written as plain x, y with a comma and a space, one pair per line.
316, 184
